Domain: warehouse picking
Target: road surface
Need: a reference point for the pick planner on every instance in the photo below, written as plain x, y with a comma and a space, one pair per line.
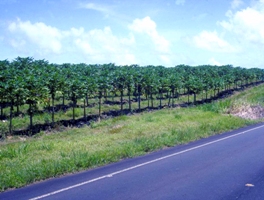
226, 166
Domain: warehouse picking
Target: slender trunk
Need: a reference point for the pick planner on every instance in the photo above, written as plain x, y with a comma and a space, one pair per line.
173, 96
11, 117
194, 98
30, 119
17, 103
188, 95
151, 96
74, 102
160, 99
139, 98
63, 99
1, 109
53, 111
84, 111
178, 95
148, 100
169, 102
100, 102
139, 102
121, 99
129, 100
105, 95
73, 110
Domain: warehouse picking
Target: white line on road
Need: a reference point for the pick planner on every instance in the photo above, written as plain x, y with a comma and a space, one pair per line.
142, 164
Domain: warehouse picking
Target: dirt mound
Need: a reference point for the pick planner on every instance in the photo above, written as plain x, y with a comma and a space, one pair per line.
248, 111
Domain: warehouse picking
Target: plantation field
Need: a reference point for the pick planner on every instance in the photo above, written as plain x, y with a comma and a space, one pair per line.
38, 96
24, 160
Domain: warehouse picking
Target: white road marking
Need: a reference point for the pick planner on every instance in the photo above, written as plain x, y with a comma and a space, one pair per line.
142, 164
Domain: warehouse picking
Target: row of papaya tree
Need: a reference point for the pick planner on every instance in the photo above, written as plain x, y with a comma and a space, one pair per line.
29, 81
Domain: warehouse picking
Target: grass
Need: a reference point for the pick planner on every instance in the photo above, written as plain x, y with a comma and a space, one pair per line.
24, 160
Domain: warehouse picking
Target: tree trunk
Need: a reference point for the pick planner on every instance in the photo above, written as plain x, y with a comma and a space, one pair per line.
148, 100
139, 98
173, 93
160, 93
17, 103
1, 110
84, 111
11, 117
178, 94
121, 99
100, 102
188, 95
53, 111
63, 99
169, 102
105, 95
30, 119
129, 100
151, 96
73, 111
139, 101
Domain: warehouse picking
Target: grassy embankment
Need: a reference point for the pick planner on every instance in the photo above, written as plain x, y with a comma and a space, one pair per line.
25, 160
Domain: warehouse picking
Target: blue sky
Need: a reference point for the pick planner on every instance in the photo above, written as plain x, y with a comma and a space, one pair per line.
144, 32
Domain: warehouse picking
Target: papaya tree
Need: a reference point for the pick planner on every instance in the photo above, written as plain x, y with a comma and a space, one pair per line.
119, 82
35, 91
54, 81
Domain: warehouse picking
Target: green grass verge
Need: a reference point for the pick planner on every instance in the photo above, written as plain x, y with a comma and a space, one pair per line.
26, 160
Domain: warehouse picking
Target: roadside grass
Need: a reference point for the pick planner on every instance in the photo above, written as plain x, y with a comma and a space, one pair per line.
252, 96
24, 160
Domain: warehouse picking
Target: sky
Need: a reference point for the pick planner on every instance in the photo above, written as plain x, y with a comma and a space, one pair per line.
143, 32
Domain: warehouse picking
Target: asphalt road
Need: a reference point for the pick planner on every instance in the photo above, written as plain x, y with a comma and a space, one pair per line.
226, 166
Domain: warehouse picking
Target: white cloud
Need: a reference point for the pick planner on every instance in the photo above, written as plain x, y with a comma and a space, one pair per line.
236, 4
180, 2
211, 41
45, 37
91, 46
95, 46
102, 45
148, 26
247, 23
